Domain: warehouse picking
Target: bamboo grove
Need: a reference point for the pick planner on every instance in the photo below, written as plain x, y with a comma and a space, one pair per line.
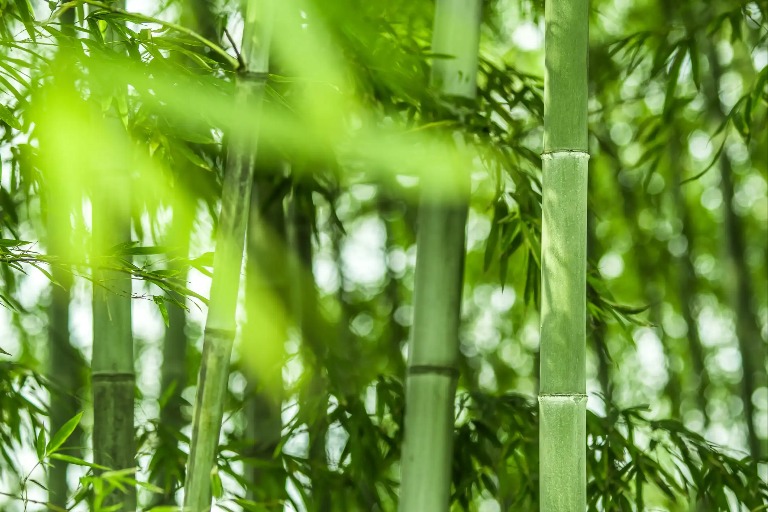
437, 255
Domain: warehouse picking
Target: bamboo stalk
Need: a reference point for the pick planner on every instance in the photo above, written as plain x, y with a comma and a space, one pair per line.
740, 290
266, 276
562, 393
314, 397
230, 242
433, 352
112, 372
174, 370
64, 361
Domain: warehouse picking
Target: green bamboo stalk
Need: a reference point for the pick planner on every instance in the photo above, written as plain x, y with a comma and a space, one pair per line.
562, 392
112, 371
266, 276
652, 290
174, 371
196, 15
686, 282
431, 380
739, 289
64, 361
314, 397
230, 241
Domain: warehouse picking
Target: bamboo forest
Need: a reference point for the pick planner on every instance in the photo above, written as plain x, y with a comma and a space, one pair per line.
383, 255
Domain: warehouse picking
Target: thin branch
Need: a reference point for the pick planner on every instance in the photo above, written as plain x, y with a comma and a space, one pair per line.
234, 48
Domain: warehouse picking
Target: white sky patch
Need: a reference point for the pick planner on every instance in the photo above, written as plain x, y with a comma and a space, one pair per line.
397, 261
478, 228
527, 36
650, 354
326, 274
611, 265
728, 359
712, 198
760, 58
699, 145
503, 300
363, 252
715, 330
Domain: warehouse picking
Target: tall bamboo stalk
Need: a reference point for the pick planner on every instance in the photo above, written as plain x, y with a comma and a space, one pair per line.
739, 289
173, 373
112, 371
266, 277
314, 397
441, 238
230, 241
686, 283
562, 392
64, 361
197, 15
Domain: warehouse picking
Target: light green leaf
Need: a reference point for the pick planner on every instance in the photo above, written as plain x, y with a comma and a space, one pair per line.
60, 437
160, 301
77, 462
27, 17
216, 487
7, 116
40, 445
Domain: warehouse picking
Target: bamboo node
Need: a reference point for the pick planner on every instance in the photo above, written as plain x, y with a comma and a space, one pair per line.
565, 153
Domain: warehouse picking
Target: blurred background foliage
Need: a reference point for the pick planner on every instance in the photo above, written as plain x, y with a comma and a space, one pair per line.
678, 302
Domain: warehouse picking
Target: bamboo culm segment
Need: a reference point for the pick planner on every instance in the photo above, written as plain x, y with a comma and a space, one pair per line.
431, 381
112, 372
562, 396
425, 476
230, 243
562, 388
563, 452
564, 273
565, 75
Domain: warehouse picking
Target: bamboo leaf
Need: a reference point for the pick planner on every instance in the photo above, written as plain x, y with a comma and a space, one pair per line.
26, 13
672, 77
60, 437
160, 301
7, 116
216, 486
40, 445
695, 67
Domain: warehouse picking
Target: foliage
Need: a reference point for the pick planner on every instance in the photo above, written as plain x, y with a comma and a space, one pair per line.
349, 112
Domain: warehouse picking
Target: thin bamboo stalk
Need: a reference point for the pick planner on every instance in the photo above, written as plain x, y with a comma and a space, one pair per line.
433, 352
112, 372
64, 361
562, 392
230, 241
174, 371
314, 397
266, 276
740, 290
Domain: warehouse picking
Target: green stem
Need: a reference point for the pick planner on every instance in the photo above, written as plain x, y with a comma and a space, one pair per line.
432, 372
230, 241
266, 285
562, 391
